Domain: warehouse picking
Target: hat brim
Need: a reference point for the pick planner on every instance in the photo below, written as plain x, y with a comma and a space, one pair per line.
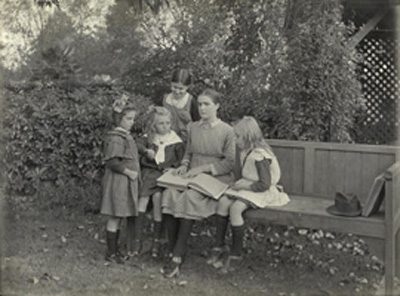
333, 211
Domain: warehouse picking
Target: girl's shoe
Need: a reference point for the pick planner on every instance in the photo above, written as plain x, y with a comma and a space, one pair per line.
155, 250
232, 263
114, 258
136, 249
172, 268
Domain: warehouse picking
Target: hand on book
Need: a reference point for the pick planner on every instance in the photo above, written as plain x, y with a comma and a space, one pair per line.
197, 171
241, 184
180, 171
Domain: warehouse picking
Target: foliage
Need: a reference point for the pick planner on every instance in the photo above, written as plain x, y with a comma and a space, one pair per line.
55, 131
295, 75
323, 93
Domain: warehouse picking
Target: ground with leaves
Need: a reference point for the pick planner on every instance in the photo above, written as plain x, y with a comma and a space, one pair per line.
51, 253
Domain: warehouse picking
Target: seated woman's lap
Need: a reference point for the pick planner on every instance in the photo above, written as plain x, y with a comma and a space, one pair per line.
188, 204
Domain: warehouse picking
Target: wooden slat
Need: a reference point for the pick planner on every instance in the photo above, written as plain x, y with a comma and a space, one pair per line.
368, 27
352, 184
382, 149
309, 170
321, 175
291, 161
310, 212
337, 169
297, 170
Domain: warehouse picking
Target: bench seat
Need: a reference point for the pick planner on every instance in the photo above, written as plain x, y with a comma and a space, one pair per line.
310, 212
312, 172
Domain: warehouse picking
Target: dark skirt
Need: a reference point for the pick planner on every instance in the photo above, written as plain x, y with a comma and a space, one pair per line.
149, 182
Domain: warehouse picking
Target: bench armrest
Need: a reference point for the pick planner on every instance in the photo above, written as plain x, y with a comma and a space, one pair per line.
393, 170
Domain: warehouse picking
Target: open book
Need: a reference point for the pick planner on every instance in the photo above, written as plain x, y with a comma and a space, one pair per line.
375, 196
203, 183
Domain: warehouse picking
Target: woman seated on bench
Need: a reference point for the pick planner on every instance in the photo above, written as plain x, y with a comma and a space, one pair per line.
210, 149
260, 173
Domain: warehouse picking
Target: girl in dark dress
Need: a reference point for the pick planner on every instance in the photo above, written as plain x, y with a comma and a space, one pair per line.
161, 149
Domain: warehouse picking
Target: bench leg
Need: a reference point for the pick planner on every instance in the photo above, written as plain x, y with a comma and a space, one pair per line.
390, 262
397, 254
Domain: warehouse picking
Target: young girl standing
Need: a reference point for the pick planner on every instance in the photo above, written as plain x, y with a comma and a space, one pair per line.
180, 103
163, 149
260, 173
121, 177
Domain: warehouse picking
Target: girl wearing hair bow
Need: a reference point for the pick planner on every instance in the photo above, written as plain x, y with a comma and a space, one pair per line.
121, 178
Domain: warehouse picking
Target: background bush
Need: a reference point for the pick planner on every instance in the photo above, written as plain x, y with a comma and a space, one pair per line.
55, 125
290, 68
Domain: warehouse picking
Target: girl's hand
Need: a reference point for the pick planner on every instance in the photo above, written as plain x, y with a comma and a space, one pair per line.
241, 185
197, 171
150, 153
169, 169
131, 174
180, 171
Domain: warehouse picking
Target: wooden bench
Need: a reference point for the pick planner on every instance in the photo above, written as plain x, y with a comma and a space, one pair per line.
311, 174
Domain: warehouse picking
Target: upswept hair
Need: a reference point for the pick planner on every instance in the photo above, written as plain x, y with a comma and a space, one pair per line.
248, 129
153, 113
213, 94
182, 76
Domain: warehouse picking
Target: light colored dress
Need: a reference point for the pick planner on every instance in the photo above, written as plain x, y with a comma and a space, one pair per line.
207, 144
119, 193
274, 196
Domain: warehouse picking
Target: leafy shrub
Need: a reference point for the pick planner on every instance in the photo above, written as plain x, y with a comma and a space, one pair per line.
56, 135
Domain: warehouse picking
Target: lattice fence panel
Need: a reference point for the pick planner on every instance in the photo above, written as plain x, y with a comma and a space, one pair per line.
380, 83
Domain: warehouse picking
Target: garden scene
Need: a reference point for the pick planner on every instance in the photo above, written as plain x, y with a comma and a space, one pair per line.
319, 74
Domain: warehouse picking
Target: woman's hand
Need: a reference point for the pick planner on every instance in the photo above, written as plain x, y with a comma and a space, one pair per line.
241, 184
180, 171
197, 171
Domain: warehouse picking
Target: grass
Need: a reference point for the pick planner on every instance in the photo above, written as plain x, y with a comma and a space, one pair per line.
48, 253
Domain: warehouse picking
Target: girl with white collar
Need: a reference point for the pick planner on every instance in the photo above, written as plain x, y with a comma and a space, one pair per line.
162, 149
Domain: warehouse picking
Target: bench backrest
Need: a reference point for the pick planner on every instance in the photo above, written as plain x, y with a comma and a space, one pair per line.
321, 169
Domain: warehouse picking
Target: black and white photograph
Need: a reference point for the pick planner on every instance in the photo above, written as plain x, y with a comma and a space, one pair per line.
200, 147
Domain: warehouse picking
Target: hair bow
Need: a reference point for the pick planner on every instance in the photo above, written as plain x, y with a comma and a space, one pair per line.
120, 103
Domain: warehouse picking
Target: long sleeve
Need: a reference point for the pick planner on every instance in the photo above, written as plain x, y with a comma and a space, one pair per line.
237, 169
175, 160
116, 164
179, 152
194, 110
141, 144
263, 171
226, 164
188, 150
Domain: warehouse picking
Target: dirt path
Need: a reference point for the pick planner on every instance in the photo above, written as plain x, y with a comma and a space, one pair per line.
44, 255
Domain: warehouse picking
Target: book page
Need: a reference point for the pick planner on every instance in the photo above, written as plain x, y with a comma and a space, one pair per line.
168, 179
208, 185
